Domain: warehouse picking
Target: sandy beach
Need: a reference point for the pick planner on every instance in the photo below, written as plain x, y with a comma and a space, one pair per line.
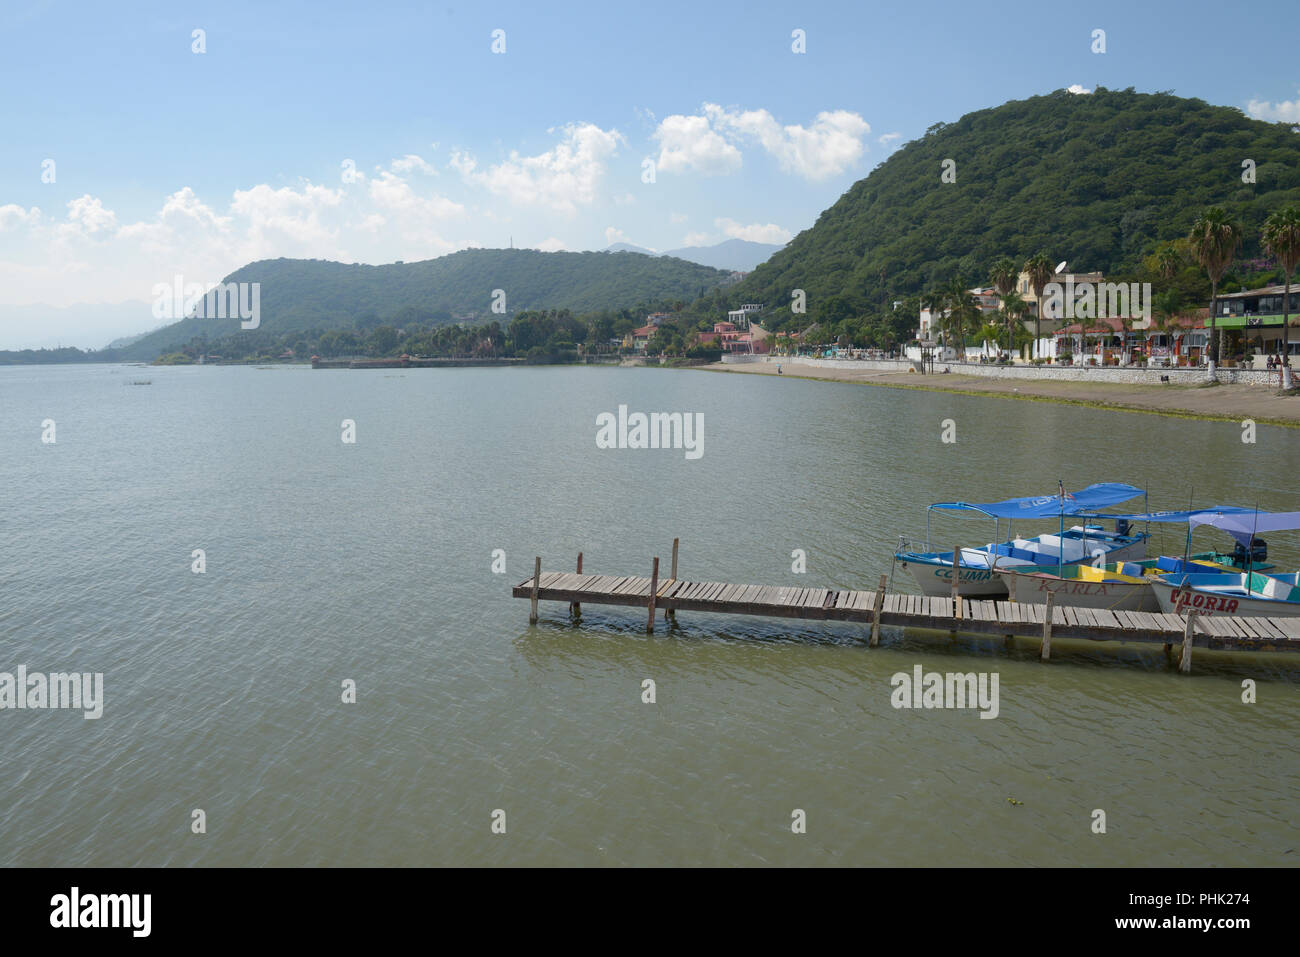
1228, 402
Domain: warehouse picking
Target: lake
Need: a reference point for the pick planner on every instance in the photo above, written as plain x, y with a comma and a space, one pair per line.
372, 562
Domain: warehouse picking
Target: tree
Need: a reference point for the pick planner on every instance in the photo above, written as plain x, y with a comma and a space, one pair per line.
1214, 240
1281, 236
1040, 271
963, 313
1014, 310
1003, 275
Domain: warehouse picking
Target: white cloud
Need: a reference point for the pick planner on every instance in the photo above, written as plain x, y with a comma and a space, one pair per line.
1284, 111
1077, 88
697, 239
830, 146
614, 235
677, 217
552, 245
393, 193
411, 162
886, 138
88, 219
754, 232
707, 143
562, 178
687, 143
12, 217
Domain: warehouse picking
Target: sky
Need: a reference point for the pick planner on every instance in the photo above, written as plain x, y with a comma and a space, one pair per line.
134, 150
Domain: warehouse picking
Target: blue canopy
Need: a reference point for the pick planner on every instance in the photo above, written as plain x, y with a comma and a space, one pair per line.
1177, 517
1050, 506
1244, 526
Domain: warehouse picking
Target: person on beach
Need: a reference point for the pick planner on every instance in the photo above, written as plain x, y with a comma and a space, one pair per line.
778, 368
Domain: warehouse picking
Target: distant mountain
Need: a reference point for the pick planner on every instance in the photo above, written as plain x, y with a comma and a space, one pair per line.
85, 325
629, 248
733, 255
300, 294
738, 255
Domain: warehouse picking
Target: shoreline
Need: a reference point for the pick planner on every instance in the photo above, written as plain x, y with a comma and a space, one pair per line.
1222, 403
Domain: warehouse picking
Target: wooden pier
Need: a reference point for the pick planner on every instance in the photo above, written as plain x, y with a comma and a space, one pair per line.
879, 607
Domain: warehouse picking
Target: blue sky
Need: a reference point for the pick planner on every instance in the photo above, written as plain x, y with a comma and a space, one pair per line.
168, 161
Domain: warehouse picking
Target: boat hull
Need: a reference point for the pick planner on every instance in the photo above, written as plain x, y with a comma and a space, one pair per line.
1033, 588
934, 577
1178, 599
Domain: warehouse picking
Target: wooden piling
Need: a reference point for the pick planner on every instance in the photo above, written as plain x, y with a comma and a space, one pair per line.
654, 587
575, 608
956, 583
875, 614
1185, 662
671, 613
537, 581
1045, 651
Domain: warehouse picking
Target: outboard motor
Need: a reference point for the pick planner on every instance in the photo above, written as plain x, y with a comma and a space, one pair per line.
1121, 527
1256, 555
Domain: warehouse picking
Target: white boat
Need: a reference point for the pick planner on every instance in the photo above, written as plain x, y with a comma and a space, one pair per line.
1248, 595
977, 566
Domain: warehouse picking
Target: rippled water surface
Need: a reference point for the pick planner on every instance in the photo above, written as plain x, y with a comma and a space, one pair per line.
373, 562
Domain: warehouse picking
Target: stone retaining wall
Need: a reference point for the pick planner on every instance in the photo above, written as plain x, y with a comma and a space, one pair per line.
1134, 375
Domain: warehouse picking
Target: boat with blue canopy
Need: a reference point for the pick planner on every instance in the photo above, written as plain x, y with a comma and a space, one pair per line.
1127, 585
977, 565
1248, 594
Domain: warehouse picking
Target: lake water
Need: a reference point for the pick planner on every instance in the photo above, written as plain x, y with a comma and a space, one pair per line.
372, 562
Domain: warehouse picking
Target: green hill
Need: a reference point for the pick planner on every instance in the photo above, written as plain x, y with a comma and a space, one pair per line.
1097, 180
298, 294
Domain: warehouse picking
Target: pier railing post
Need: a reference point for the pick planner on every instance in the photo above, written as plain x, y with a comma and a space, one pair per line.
672, 612
575, 608
875, 615
537, 580
956, 583
1045, 652
1189, 629
654, 587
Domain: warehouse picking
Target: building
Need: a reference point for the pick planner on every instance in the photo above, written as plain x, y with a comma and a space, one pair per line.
638, 339
740, 317
1257, 313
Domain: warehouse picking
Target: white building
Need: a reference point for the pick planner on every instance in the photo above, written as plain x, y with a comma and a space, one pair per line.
740, 317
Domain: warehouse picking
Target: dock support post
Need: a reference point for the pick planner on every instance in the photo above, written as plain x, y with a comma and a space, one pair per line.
654, 587
671, 613
956, 584
1185, 662
875, 615
537, 580
1045, 652
575, 608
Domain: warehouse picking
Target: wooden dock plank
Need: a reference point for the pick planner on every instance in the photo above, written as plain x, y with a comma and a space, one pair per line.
1288, 626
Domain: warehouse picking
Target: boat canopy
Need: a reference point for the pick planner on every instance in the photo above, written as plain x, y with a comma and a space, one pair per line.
1243, 526
1082, 502
1175, 517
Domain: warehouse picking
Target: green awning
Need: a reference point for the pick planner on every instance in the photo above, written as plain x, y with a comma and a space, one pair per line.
1247, 322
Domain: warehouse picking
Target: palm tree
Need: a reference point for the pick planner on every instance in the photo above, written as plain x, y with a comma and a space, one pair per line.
936, 300
1281, 235
1014, 310
963, 313
1040, 271
1168, 261
1214, 240
1003, 274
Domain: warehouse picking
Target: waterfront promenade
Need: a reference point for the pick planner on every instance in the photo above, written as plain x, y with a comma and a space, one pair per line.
1138, 390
